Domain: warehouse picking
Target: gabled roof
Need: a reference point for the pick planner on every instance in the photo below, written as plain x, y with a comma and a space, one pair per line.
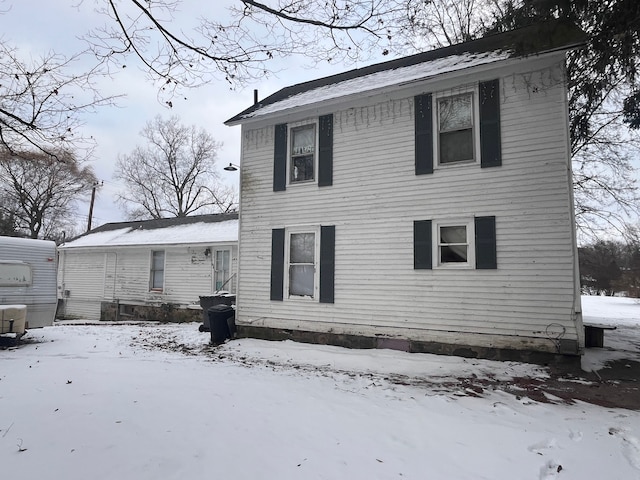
197, 229
532, 40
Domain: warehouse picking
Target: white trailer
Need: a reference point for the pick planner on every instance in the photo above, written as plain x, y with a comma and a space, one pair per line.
27, 278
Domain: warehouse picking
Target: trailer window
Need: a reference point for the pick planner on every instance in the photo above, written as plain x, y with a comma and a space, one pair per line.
15, 274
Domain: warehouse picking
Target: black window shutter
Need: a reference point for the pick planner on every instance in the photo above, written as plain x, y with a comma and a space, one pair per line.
422, 244
486, 257
423, 134
325, 151
490, 144
327, 263
280, 158
277, 263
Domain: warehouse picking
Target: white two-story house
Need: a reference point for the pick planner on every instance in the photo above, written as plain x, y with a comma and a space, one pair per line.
423, 204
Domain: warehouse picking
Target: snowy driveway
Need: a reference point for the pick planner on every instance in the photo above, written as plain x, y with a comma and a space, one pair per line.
157, 402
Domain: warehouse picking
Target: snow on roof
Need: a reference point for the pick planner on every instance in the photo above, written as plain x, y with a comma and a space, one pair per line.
378, 80
535, 39
193, 233
22, 242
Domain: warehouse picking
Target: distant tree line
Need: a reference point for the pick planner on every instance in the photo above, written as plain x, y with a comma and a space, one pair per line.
610, 267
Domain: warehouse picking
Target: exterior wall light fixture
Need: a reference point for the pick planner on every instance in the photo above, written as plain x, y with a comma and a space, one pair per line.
231, 167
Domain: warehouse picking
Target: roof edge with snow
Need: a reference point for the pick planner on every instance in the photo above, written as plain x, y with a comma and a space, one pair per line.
544, 37
196, 229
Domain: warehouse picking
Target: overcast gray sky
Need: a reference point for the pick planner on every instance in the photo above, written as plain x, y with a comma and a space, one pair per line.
40, 26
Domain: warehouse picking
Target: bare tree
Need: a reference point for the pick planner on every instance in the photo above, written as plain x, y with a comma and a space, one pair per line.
606, 193
42, 101
39, 191
173, 175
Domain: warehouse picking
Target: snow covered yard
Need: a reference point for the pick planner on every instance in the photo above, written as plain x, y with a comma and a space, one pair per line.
157, 402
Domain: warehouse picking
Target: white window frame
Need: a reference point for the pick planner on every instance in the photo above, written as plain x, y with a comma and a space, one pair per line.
216, 270
290, 128
469, 223
152, 270
315, 229
475, 126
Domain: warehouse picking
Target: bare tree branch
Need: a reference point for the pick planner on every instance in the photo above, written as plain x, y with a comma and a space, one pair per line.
42, 102
238, 44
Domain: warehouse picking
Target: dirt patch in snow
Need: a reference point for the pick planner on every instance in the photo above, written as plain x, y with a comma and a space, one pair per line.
617, 385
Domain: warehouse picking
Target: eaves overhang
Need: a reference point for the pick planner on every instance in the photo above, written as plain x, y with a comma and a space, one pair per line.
536, 39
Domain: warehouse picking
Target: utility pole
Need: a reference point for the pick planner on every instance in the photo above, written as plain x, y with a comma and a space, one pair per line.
96, 184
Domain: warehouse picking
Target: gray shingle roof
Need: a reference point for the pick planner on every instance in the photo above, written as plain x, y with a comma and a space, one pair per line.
166, 222
534, 39
149, 225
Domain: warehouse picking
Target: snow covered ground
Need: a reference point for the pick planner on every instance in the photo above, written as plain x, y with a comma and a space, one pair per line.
135, 402
624, 341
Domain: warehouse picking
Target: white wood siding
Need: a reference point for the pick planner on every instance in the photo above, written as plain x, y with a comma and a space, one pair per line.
189, 273
122, 274
527, 302
81, 281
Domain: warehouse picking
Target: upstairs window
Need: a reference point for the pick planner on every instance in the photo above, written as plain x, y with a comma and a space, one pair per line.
157, 270
457, 129
456, 139
303, 153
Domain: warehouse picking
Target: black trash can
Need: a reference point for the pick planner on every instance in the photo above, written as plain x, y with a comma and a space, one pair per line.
221, 323
209, 301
